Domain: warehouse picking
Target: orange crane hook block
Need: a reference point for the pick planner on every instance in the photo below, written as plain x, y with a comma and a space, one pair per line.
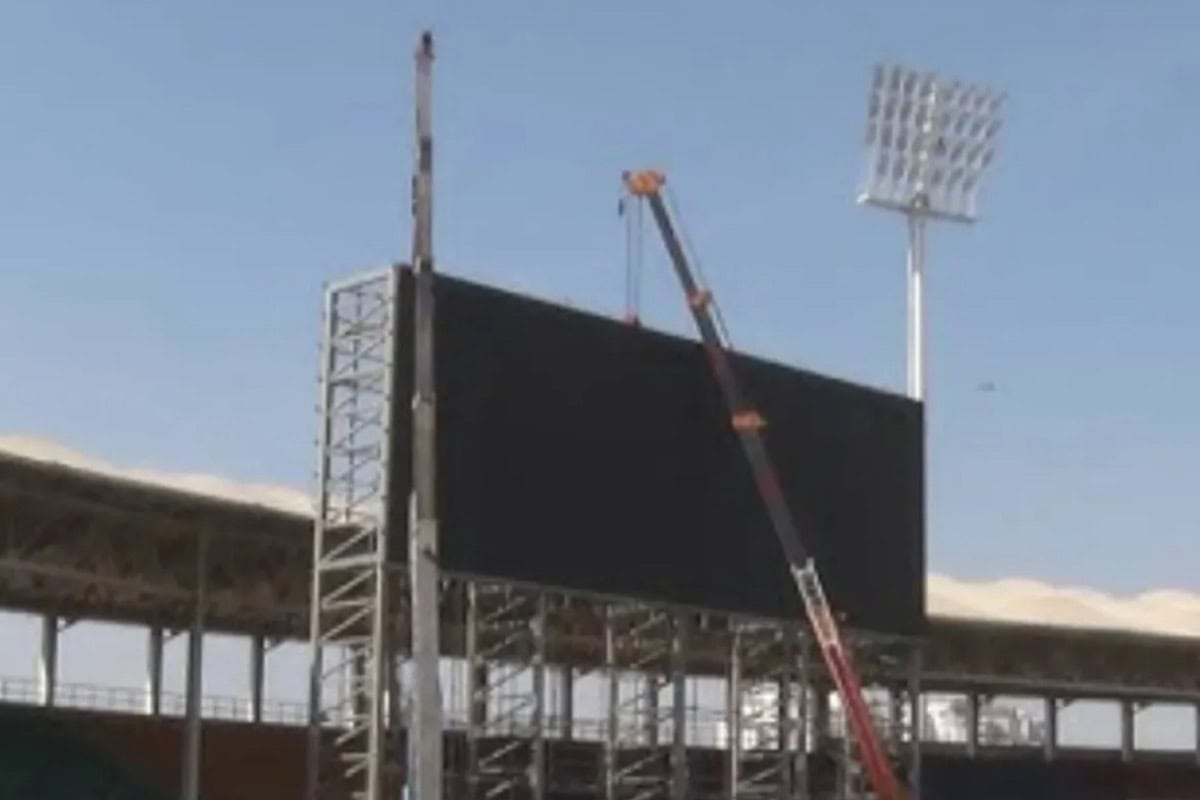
644, 182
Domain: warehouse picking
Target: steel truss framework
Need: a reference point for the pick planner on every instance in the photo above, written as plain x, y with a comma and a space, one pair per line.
645, 746
767, 709
506, 669
351, 585
510, 637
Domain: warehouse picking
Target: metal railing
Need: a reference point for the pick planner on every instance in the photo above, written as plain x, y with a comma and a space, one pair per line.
706, 726
129, 700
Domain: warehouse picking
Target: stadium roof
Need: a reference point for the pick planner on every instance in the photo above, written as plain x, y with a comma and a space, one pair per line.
1014, 600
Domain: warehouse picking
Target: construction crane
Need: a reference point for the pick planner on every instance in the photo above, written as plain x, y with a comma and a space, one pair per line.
748, 423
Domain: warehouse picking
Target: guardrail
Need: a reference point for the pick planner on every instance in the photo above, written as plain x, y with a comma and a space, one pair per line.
706, 727
124, 699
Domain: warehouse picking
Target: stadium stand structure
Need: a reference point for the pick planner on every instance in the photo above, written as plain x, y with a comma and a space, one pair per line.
85, 540
1015, 601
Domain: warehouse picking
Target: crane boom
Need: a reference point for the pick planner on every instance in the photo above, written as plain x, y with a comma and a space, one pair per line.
748, 424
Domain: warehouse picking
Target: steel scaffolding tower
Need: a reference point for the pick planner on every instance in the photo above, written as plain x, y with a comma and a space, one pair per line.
644, 656
766, 709
506, 674
350, 584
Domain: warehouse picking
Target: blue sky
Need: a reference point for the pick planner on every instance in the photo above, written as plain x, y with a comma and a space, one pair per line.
179, 179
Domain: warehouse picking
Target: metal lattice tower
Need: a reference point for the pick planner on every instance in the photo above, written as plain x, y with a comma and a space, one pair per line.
350, 589
766, 708
506, 652
645, 656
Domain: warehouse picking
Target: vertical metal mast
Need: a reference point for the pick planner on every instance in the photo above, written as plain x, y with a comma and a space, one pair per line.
351, 584
916, 304
425, 725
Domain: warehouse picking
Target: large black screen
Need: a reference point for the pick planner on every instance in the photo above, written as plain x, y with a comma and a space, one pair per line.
578, 452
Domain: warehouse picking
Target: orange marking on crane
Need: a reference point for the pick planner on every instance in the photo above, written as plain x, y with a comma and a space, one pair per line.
748, 421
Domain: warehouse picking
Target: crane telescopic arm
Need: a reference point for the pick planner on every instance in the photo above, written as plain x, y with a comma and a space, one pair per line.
748, 424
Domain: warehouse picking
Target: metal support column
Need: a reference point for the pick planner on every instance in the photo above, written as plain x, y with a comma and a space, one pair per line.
896, 728
847, 778
822, 725
258, 677
972, 723
1050, 745
394, 705
477, 674
351, 581
195, 680
48, 661
678, 679
567, 721
1128, 731
1196, 742
733, 717
425, 727
506, 673
653, 716
612, 726
154, 670
916, 713
785, 721
800, 787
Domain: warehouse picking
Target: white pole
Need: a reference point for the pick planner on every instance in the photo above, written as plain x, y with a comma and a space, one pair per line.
916, 305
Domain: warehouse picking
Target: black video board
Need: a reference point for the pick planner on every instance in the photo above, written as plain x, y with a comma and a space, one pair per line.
579, 452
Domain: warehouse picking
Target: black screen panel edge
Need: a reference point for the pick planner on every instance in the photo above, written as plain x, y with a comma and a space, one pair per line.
575, 451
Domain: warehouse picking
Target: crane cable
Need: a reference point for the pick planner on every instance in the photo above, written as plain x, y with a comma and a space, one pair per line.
635, 238
634, 256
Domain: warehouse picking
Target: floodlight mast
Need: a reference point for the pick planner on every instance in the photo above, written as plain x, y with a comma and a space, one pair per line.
929, 140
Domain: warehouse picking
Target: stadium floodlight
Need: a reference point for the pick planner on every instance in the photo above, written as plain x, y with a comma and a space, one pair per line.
929, 141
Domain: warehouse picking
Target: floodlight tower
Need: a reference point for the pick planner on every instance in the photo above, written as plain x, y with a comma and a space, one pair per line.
929, 141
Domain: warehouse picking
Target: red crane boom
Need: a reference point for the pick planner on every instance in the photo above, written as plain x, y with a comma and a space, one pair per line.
748, 424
